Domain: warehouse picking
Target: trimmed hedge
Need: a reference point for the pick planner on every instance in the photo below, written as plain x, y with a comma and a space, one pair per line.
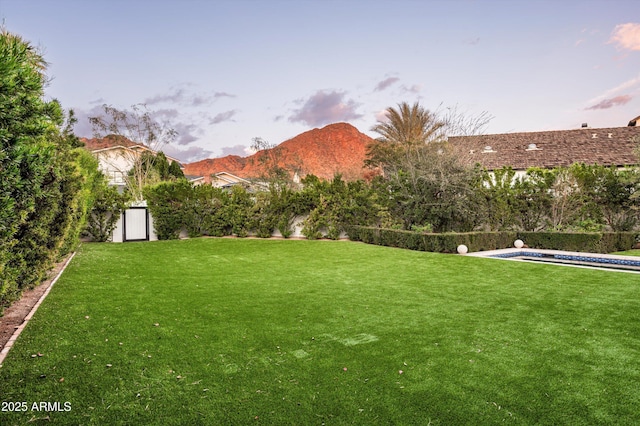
440, 243
43, 177
596, 242
591, 242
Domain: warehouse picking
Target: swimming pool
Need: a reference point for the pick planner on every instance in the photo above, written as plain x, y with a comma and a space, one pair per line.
567, 258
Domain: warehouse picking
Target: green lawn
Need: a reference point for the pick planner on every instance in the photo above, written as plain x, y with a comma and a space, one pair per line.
231, 331
629, 253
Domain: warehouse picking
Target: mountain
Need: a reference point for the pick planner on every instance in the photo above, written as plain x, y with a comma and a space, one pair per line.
336, 148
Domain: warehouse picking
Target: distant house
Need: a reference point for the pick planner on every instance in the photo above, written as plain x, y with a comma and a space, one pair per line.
227, 180
195, 180
608, 146
116, 161
117, 155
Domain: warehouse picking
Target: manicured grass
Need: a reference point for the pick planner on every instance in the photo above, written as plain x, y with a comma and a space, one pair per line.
629, 253
225, 331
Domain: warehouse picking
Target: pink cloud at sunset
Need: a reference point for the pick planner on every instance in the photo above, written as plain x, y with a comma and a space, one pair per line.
627, 36
611, 102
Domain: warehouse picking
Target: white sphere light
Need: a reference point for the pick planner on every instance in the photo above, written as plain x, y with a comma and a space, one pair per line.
518, 243
462, 249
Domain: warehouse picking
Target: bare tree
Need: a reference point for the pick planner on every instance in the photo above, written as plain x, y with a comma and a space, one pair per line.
141, 136
277, 165
460, 123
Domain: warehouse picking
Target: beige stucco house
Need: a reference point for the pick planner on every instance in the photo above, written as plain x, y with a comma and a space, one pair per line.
117, 155
227, 180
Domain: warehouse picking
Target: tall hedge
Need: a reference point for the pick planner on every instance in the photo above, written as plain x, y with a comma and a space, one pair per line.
168, 203
40, 205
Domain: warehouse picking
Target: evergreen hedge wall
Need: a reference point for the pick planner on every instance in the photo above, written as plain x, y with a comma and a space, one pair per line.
596, 242
42, 173
440, 243
591, 242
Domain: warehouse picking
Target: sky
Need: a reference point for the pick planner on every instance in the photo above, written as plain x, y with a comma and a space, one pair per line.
222, 73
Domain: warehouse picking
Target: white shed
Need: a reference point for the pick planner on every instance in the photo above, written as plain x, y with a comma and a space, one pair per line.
135, 224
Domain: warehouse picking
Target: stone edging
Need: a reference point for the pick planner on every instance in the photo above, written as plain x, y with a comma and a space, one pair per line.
16, 334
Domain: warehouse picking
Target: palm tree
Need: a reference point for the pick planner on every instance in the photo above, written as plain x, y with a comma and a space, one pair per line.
405, 135
409, 125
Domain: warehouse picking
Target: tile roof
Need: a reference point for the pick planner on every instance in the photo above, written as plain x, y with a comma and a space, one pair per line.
608, 146
116, 141
109, 141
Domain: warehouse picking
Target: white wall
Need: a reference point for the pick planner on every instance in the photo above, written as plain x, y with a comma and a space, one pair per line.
117, 236
115, 164
297, 229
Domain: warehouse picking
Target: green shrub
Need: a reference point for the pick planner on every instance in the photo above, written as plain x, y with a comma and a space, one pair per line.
40, 185
591, 242
441, 243
594, 242
106, 209
240, 208
336, 205
263, 222
166, 202
205, 212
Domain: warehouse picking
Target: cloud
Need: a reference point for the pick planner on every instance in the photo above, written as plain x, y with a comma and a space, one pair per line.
188, 155
324, 108
626, 36
629, 86
386, 83
185, 98
165, 114
223, 95
382, 116
176, 96
416, 88
611, 102
186, 132
83, 127
241, 150
223, 116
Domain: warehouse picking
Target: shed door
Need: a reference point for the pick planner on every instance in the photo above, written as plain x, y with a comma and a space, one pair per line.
136, 224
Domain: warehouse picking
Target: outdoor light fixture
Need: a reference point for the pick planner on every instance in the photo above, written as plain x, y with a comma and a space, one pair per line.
462, 249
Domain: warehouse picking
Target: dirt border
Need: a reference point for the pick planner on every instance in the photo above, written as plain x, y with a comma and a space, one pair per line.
16, 316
